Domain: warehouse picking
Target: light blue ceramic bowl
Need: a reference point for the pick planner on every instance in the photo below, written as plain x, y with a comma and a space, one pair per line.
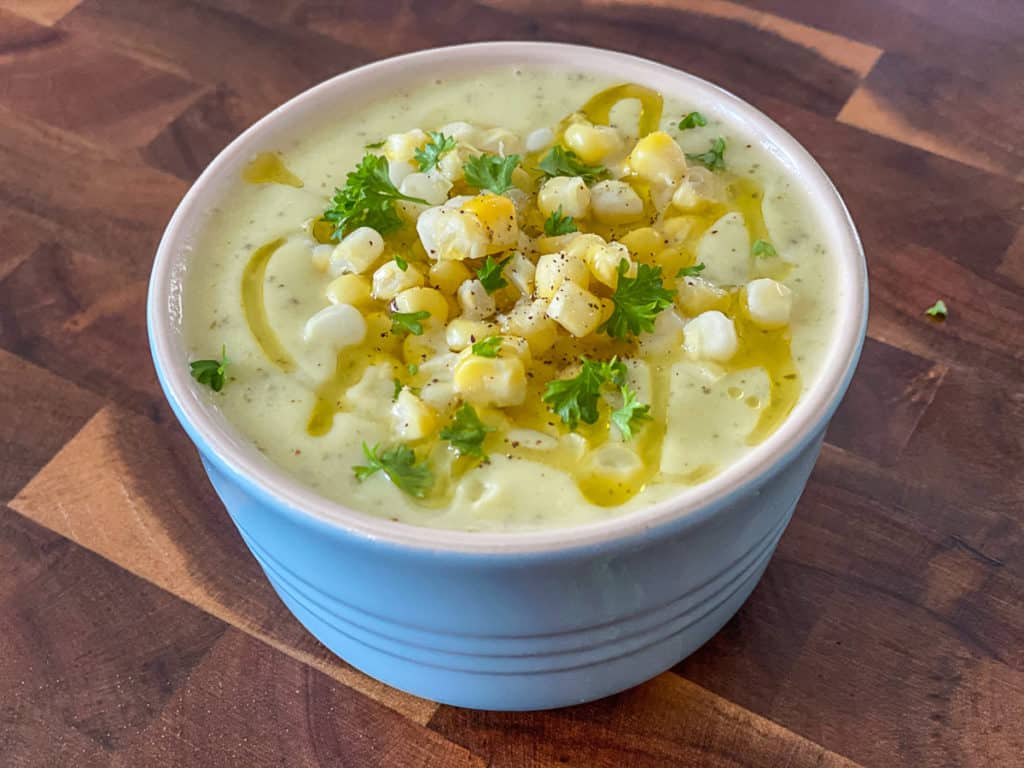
527, 620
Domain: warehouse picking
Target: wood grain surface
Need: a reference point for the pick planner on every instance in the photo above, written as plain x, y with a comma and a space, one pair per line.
888, 631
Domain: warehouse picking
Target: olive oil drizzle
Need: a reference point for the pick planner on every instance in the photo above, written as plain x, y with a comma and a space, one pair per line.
269, 168
599, 107
255, 309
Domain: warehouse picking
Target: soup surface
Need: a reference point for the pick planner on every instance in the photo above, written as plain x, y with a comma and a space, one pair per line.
519, 300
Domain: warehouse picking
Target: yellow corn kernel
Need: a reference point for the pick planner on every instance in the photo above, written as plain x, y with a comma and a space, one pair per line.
678, 228
420, 299
657, 158
411, 417
497, 381
603, 262
555, 268
592, 143
357, 251
615, 202
462, 333
497, 214
529, 321
550, 244
522, 180
566, 193
447, 276
389, 280
697, 295
515, 346
401, 147
349, 289
575, 309
644, 243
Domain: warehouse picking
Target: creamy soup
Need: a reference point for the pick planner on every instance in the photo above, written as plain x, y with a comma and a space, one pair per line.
519, 300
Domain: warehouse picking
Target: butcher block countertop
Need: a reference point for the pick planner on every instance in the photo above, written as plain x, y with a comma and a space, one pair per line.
888, 631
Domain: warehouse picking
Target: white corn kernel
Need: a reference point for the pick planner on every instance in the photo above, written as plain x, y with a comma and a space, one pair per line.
389, 280
666, 336
450, 233
520, 271
322, 256
614, 462
412, 418
515, 346
569, 193
615, 202
529, 320
462, 333
399, 170
592, 143
497, 381
539, 139
575, 309
430, 187
711, 336
421, 299
349, 289
402, 146
357, 251
657, 158
337, 326
553, 269
476, 303
603, 262
769, 302
499, 141
698, 295
462, 132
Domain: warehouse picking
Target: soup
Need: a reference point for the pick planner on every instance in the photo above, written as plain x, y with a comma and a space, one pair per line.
519, 300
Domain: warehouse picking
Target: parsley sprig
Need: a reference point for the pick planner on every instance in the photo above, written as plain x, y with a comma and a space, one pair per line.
367, 199
430, 153
399, 464
489, 347
466, 433
714, 158
490, 275
762, 249
557, 224
564, 162
576, 399
491, 172
211, 372
692, 120
938, 309
637, 301
631, 414
409, 322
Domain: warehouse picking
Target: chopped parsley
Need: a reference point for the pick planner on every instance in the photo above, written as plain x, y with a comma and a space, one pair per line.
637, 300
576, 399
491, 172
398, 388
557, 224
428, 155
692, 120
762, 249
490, 276
488, 347
564, 162
466, 433
399, 464
938, 309
401, 263
412, 368
693, 271
375, 144
367, 199
409, 322
714, 158
631, 414
211, 372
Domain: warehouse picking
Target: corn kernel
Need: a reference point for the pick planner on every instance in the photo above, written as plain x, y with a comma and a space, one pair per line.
389, 280
643, 243
475, 302
552, 243
322, 256
447, 276
697, 295
452, 234
462, 132
462, 333
575, 309
357, 252
420, 299
497, 215
497, 381
520, 271
657, 158
529, 320
499, 141
569, 193
769, 302
711, 336
432, 187
553, 269
592, 143
412, 418
615, 202
515, 346
425, 347
539, 139
401, 147
603, 262
337, 326
349, 289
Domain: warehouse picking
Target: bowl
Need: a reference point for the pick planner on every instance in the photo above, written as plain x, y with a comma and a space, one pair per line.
526, 620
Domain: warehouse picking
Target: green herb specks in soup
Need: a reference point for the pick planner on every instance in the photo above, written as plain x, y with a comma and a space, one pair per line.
527, 299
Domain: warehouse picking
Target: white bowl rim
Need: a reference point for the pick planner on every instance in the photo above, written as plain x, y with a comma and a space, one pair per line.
811, 413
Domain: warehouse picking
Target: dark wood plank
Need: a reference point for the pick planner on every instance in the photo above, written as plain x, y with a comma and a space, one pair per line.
40, 11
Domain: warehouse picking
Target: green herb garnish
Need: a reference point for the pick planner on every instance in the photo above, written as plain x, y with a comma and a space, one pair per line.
762, 249
401, 263
211, 372
466, 433
557, 224
412, 368
693, 271
428, 155
367, 199
409, 322
375, 144
938, 309
692, 120
576, 399
631, 414
564, 162
398, 389
637, 300
490, 276
399, 464
714, 158
491, 172
488, 347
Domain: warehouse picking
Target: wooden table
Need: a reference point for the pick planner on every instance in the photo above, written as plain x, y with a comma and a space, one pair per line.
135, 630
